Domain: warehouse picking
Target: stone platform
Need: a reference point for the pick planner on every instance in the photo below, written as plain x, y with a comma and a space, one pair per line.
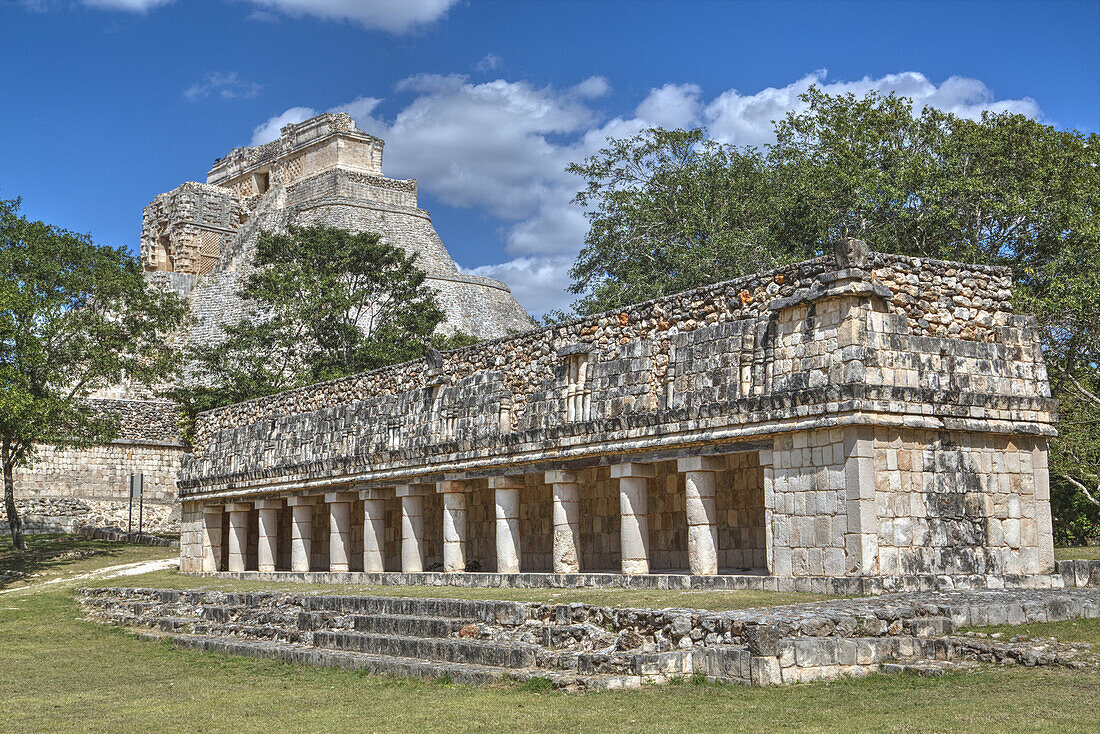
1068, 574
586, 647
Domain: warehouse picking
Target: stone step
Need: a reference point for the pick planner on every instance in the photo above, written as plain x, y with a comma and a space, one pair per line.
405, 626
508, 613
500, 655
463, 673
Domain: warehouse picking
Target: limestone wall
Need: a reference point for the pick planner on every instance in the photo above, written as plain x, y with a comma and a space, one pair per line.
96, 480
722, 350
967, 502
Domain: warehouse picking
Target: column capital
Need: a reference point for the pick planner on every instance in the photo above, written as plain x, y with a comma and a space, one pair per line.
560, 476
629, 469
269, 504
342, 496
510, 481
414, 490
301, 501
212, 509
238, 506
701, 463
376, 493
450, 486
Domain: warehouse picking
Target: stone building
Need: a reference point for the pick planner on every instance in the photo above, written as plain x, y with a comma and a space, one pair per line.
200, 241
852, 422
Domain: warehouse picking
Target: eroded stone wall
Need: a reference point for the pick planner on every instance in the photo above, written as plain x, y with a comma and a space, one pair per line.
964, 502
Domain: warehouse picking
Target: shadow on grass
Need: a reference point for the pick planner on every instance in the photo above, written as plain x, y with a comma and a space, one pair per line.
50, 552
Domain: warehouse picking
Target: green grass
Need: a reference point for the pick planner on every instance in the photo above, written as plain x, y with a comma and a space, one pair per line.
61, 673
55, 557
1082, 552
711, 600
1075, 630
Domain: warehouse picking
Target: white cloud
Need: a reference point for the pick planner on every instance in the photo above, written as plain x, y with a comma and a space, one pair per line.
539, 283
671, 106
593, 87
224, 84
269, 130
501, 148
491, 62
395, 16
746, 119
133, 6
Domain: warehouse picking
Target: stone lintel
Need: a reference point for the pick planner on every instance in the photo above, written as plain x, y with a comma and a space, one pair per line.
334, 497
275, 504
628, 469
238, 506
560, 476
512, 481
414, 490
701, 463
450, 486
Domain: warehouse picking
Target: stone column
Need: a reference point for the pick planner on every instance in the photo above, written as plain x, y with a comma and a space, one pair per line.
339, 537
1044, 527
238, 534
506, 498
374, 530
211, 538
702, 512
454, 525
266, 547
861, 538
301, 532
412, 526
634, 520
567, 521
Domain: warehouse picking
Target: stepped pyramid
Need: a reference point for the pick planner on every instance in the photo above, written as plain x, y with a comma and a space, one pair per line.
200, 238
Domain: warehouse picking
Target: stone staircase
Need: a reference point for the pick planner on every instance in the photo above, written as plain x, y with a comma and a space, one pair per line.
466, 641
580, 647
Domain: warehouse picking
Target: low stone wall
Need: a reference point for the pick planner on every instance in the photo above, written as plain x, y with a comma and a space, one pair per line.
71, 514
852, 585
133, 538
1080, 572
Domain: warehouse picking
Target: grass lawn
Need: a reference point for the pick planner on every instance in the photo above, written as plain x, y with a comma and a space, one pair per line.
1083, 552
59, 672
1074, 630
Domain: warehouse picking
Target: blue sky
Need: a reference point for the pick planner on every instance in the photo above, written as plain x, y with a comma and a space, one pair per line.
106, 103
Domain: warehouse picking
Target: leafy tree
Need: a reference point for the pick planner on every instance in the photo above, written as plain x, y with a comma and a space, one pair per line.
672, 210
322, 303
74, 317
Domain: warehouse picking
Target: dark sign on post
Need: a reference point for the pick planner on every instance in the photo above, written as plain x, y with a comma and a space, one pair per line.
136, 482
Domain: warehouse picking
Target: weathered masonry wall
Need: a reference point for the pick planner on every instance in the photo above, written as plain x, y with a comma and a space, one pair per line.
859, 414
69, 488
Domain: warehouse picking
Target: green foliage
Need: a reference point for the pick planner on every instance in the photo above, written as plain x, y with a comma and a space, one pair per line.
74, 317
671, 210
322, 303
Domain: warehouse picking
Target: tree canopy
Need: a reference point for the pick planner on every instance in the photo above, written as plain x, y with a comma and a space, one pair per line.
74, 317
671, 210
322, 303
